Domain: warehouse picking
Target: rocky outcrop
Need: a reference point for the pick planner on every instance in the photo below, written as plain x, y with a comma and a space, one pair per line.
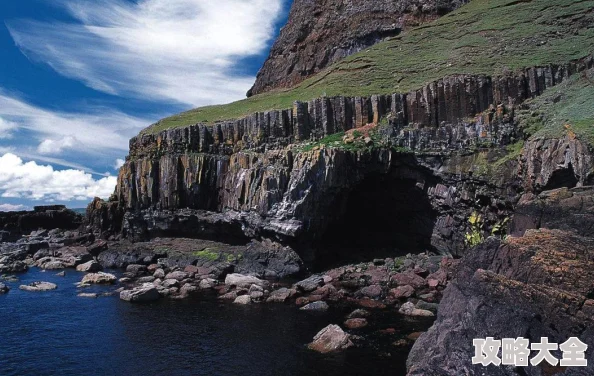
536, 286
321, 32
16, 224
257, 177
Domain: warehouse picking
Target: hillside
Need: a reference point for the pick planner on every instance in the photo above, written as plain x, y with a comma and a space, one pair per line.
483, 37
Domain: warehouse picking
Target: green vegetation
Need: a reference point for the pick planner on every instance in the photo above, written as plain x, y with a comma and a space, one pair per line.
208, 254
475, 236
564, 109
483, 37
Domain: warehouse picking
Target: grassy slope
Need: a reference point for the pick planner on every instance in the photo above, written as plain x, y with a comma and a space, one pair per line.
568, 107
483, 37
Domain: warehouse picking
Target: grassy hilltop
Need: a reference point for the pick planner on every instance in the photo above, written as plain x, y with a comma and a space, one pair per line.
483, 37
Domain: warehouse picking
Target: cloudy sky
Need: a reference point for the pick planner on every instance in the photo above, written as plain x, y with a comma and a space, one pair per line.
79, 78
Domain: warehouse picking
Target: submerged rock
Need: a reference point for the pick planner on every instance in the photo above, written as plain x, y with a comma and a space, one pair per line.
3, 288
38, 286
356, 323
331, 339
316, 306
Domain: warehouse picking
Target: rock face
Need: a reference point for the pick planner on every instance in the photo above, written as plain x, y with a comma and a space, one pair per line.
321, 32
539, 285
242, 179
331, 339
16, 224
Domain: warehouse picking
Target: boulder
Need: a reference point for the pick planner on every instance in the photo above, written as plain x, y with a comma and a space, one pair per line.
402, 292
243, 299
373, 291
53, 265
310, 284
88, 295
136, 269
207, 283
178, 275
99, 279
280, 295
331, 339
408, 279
38, 286
169, 283
159, 273
142, 294
89, 267
3, 288
244, 281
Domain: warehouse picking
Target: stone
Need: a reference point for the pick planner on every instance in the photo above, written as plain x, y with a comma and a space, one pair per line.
207, 283
159, 273
148, 279
143, 294
256, 295
244, 281
243, 299
89, 267
310, 284
316, 306
402, 292
408, 279
356, 323
433, 307
4, 288
99, 279
136, 269
373, 291
280, 296
54, 265
188, 289
169, 283
178, 275
61, 274
409, 309
38, 287
331, 339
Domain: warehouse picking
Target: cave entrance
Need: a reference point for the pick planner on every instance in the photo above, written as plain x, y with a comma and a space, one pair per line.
383, 216
562, 178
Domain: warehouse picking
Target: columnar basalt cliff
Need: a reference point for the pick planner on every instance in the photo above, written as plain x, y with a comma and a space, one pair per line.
321, 32
264, 176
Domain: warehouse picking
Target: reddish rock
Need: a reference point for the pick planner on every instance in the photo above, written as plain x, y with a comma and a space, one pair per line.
153, 268
356, 323
402, 292
414, 336
191, 269
388, 331
433, 283
408, 278
331, 339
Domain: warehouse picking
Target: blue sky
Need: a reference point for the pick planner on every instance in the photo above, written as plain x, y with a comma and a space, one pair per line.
79, 78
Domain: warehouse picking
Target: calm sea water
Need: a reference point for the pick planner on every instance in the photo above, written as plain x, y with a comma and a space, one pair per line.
58, 333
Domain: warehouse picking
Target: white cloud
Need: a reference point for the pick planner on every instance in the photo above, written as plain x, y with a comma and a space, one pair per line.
41, 182
56, 146
6, 128
187, 51
95, 131
119, 163
10, 207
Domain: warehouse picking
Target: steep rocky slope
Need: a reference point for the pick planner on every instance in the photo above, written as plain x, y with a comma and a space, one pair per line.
538, 285
321, 32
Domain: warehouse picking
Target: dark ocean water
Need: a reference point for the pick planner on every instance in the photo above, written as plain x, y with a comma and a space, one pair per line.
58, 333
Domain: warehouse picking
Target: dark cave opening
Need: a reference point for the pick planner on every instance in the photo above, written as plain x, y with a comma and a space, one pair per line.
562, 178
383, 216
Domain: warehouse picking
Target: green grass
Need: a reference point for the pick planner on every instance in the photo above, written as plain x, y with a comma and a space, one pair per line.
483, 37
564, 109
